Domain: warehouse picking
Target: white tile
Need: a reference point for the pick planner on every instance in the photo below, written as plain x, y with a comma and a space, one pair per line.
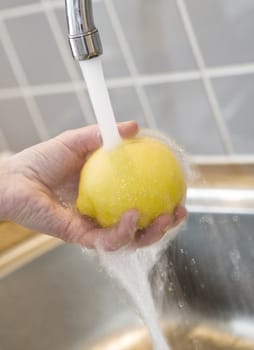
155, 35
37, 49
60, 112
126, 106
183, 113
235, 95
16, 124
7, 78
224, 29
4, 4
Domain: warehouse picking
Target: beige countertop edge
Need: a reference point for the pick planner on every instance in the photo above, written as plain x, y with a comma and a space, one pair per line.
26, 251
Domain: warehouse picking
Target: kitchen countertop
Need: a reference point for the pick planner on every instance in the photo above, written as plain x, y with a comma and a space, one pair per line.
12, 234
19, 246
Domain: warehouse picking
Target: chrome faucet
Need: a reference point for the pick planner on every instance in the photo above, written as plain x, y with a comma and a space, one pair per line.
84, 37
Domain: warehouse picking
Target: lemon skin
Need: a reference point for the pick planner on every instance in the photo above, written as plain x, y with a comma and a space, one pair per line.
141, 173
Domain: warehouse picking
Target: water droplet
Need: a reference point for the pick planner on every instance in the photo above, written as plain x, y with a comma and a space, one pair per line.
235, 256
202, 285
193, 261
163, 275
182, 251
235, 218
100, 268
206, 219
171, 287
235, 275
181, 304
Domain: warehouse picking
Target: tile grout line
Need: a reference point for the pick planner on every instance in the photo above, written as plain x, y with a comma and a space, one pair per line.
29, 9
22, 81
20, 11
68, 62
129, 60
39, 90
3, 141
230, 70
223, 130
112, 83
143, 80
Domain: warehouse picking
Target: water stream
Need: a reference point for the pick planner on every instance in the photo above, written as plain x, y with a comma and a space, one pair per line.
131, 269
93, 74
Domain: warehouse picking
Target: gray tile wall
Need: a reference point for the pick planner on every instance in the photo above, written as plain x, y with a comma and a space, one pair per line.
185, 67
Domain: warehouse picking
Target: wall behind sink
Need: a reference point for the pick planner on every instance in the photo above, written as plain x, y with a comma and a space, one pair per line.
185, 67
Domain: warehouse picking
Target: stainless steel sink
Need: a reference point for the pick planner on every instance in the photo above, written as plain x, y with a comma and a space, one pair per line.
59, 301
62, 300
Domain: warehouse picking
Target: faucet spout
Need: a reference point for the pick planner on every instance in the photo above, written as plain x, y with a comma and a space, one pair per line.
84, 37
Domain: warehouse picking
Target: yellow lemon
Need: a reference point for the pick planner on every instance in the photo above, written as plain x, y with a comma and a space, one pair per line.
142, 173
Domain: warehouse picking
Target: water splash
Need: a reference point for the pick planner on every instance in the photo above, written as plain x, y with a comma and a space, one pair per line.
131, 269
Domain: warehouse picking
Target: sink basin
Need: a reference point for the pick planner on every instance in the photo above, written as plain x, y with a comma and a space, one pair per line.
63, 301
59, 301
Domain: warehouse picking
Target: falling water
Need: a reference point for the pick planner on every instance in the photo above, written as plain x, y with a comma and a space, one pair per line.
93, 74
131, 269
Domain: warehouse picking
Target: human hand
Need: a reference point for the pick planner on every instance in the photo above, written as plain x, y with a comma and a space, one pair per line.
38, 189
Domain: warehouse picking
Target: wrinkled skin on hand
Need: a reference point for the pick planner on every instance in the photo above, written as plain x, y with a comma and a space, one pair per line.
36, 184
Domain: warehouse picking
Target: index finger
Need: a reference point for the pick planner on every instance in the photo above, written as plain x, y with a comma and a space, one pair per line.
115, 237
159, 227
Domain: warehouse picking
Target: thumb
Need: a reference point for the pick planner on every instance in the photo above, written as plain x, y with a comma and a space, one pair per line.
88, 139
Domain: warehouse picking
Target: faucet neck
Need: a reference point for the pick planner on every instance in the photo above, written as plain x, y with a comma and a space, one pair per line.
84, 37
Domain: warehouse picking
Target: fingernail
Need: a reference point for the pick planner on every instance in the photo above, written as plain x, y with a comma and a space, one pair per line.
180, 213
128, 122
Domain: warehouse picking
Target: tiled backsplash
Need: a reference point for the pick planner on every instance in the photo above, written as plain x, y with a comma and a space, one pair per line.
185, 67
